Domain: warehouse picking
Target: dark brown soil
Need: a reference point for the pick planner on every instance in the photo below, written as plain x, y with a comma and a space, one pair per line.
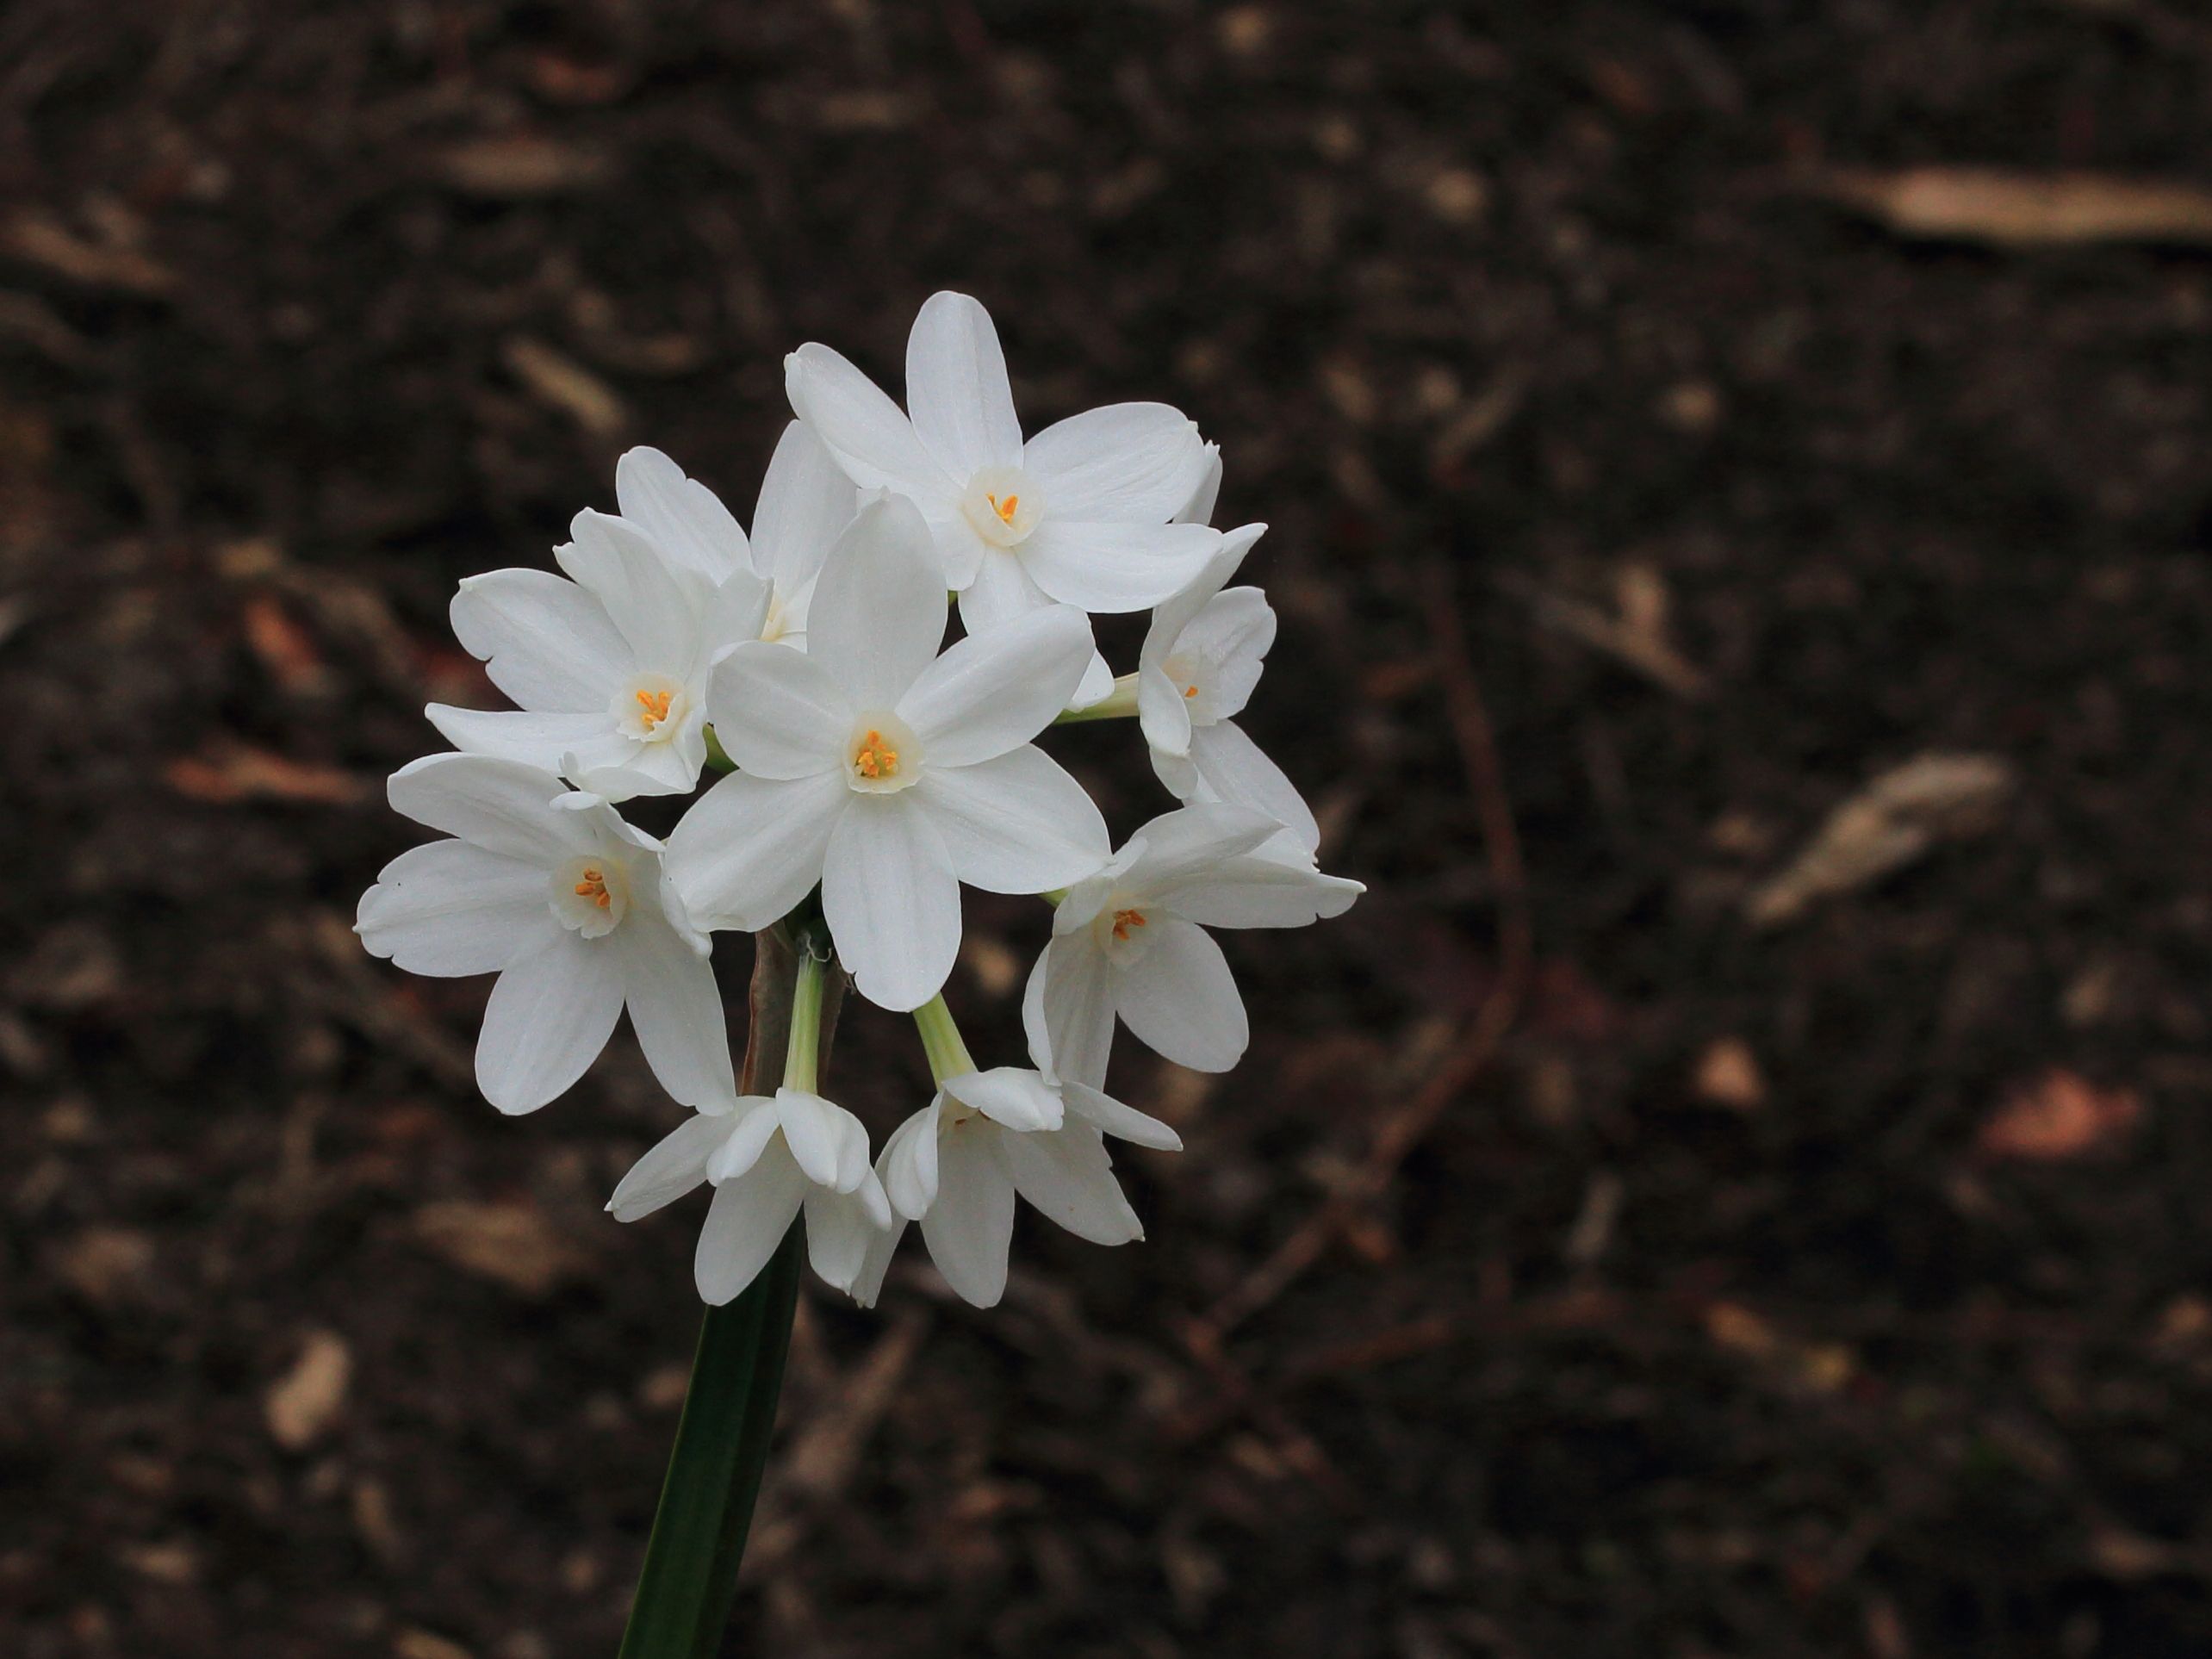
1837, 1287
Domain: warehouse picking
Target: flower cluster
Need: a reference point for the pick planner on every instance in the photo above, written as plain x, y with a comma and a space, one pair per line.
868, 770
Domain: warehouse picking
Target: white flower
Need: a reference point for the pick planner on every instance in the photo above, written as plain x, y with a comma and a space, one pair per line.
1200, 662
1131, 939
610, 668
956, 1165
768, 1159
555, 894
1079, 514
885, 772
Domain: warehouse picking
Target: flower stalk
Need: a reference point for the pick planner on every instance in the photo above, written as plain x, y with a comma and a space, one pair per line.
940, 1039
690, 1575
1120, 704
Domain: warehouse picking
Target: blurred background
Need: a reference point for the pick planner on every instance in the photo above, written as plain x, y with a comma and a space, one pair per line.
1740, 503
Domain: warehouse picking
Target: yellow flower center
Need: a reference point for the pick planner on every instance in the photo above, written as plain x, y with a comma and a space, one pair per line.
655, 706
1190, 691
1124, 920
593, 885
1005, 509
874, 758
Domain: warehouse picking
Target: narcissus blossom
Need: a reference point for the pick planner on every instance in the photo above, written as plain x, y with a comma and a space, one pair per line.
770, 1160
1079, 514
551, 890
956, 1165
610, 668
1131, 939
1200, 662
885, 772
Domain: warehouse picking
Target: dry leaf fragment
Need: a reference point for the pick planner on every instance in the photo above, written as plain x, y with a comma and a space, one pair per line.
226, 774
307, 1400
512, 1244
2057, 1116
1898, 817
282, 646
1987, 204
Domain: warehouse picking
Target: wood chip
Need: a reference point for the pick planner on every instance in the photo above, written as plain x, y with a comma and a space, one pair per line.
1728, 1075
1629, 638
512, 1244
562, 383
1898, 818
521, 165
37, 240
2009, 210
2057, 1117
226, 774
306, 1401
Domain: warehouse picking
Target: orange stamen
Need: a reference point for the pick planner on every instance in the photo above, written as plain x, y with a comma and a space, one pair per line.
594, 887
873, 760
1124, 920
1004, 509
655, 705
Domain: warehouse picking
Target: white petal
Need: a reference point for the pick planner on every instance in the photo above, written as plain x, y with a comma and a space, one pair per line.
1175, 613
1180, 1000
1189, 843
1199, 509
777, 713
676, 1009
544, 741
1096, 685
909, 1164
550, 1013
746, 1222
1123, 1123
546, 643
999, 687
1072, 993
891, 900
450, 908
839, 1231
812, 1132
1115, 567
502, 806
1067, 1176
750, 847
1137, 463
883, 1244
1230, 638
972, 1223
1011, 1095
1261, 889
863, 428
877, 614
672, 1169
658, 606
754, 1124
1233, 768
1163, 711
957, 394
735, 612
998, 591
1016, 824
806, 503
1084, 899
686, 517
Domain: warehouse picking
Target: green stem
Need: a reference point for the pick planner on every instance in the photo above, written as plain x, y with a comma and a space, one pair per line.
940, 1039
717, 756
1120, 704
690, 1575
803, 1055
